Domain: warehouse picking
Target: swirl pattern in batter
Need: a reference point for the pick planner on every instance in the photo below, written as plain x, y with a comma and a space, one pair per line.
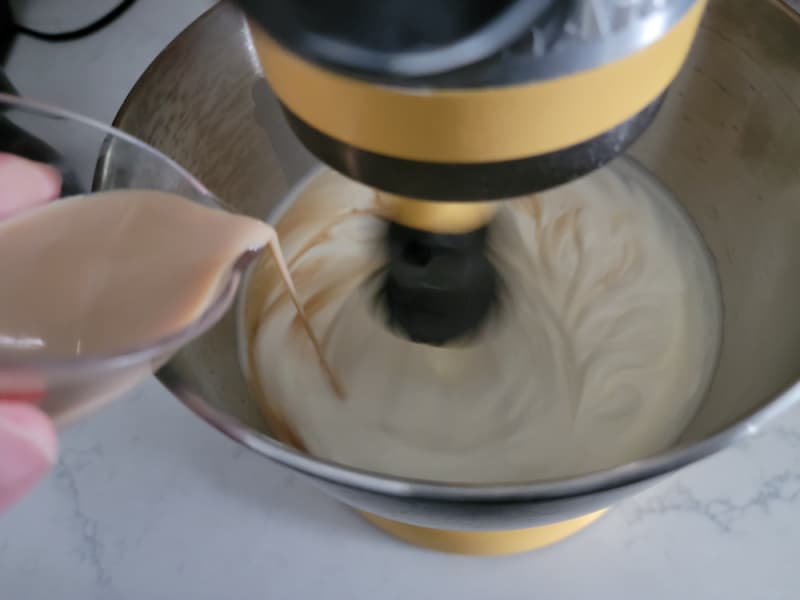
599, 353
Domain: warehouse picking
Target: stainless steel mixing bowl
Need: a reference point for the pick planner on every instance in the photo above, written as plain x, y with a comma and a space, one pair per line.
727, 142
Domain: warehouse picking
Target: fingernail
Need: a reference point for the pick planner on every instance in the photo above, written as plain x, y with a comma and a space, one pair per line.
28, 448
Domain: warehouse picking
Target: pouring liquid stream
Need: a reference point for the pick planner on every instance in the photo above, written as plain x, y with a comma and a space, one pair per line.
114, 273
277, 255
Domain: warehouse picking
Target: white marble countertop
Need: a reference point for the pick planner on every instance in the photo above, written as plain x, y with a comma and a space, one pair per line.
141, 505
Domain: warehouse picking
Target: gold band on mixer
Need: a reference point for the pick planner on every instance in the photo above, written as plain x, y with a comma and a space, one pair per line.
435, 216
493, 124
484, 543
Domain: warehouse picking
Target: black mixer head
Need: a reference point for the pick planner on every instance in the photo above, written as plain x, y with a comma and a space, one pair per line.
437, 287
461, 101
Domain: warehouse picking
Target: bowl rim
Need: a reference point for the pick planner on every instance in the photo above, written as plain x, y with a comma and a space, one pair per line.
336, 473
326, 471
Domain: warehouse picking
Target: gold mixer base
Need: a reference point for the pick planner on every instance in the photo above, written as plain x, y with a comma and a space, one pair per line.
483, 543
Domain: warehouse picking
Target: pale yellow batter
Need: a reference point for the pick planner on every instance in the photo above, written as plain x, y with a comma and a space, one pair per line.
599, 354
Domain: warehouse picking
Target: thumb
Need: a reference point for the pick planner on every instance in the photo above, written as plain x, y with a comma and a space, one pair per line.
28, 448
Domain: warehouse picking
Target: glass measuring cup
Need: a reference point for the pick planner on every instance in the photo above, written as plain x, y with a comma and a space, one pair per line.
69, 387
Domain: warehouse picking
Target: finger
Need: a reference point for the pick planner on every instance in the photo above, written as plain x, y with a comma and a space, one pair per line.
25, 184
28, 448
20, 384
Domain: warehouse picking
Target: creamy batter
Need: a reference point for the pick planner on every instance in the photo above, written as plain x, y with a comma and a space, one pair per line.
600, 352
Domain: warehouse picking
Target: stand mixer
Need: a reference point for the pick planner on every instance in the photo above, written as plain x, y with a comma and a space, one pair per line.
445, 107
724, 143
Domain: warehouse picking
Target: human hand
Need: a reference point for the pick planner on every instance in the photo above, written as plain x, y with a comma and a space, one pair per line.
28, 445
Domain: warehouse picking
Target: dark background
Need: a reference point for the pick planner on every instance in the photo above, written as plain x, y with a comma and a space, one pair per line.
6, 29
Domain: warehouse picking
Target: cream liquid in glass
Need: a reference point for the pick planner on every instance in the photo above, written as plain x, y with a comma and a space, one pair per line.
106, 274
